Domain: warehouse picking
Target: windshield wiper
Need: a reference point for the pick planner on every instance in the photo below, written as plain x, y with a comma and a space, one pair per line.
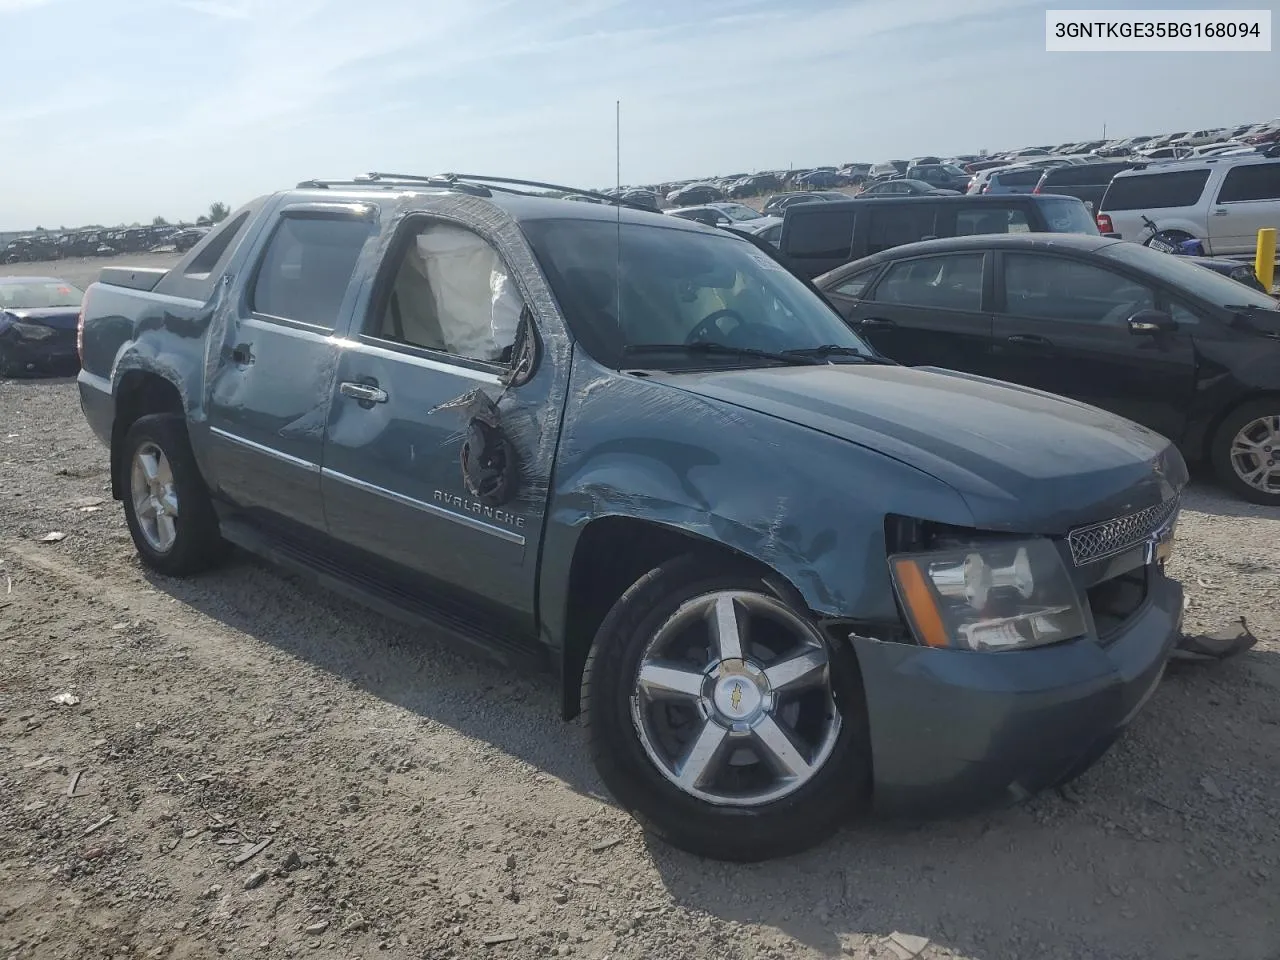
711, 347
832, 350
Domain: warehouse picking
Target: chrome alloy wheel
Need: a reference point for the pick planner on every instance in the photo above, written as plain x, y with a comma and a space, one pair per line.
732, 700
155, 497
1255, 454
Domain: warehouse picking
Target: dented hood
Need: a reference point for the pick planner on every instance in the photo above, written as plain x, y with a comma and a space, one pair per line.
1023, 460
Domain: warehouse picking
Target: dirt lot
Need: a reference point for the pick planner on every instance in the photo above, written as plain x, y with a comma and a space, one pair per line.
419, 803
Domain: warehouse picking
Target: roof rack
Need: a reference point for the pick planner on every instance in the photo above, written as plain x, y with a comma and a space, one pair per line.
475, 184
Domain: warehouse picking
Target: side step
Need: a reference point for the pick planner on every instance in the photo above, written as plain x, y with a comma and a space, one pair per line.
385, 599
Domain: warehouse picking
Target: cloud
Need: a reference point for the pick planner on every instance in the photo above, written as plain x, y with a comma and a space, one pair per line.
16, 6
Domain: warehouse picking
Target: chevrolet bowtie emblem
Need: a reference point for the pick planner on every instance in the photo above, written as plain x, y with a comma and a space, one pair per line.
735, 696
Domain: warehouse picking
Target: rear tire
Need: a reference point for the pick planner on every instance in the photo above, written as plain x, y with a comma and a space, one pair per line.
1245, 452
170, 515
757, 799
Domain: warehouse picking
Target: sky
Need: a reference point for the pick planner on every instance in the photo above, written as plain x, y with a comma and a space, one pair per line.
121, 110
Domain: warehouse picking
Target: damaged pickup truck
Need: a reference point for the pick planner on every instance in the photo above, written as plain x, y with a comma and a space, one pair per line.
784, 579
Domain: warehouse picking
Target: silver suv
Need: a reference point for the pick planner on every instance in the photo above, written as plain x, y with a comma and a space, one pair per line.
1221, 201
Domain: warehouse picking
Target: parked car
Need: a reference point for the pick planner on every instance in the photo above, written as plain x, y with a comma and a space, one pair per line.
37, 324
1142, 334
1221, 201
1086, 181
767, 228
718, 214
887, 170
903, 188
816, 239
421, 396
1164, 153
1012, 180
30, 249
821, 179
778, 203
944, 176
694, 194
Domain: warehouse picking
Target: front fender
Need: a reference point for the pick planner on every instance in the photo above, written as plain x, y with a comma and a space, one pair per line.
809, 506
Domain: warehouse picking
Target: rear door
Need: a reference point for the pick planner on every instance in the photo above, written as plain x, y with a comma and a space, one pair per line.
269, 393
1061, 325
1247, 201
925, 311
888, 224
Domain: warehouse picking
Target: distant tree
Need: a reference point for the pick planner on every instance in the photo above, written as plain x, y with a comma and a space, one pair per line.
159, 222
218, 212
41, 230
203, 221
135, 224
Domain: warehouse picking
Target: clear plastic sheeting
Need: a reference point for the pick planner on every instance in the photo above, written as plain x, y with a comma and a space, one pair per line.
476, 302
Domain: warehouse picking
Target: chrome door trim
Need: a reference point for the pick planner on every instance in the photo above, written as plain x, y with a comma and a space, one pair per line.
263, 448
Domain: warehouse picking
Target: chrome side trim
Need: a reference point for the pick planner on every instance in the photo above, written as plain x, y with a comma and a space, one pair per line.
510, 536
269, 451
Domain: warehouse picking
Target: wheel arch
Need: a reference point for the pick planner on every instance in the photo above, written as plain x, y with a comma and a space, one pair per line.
599, 573
138, 393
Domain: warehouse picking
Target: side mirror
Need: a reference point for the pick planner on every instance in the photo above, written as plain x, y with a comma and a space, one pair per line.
1152, 321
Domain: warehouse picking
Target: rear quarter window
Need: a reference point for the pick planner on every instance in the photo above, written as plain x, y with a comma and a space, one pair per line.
1254, 181
1150, 191
819, 234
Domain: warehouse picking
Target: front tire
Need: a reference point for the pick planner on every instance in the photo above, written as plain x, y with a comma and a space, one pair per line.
166, 502
721, 718
1246, 451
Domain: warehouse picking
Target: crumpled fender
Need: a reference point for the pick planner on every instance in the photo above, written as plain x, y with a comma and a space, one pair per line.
808, 506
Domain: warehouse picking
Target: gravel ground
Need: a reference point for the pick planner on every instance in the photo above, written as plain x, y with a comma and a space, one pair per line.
419, 803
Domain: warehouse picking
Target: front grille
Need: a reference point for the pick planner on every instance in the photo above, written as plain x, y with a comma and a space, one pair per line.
1101, 540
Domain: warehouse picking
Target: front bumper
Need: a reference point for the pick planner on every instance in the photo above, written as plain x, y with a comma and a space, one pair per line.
954, 730
56, 351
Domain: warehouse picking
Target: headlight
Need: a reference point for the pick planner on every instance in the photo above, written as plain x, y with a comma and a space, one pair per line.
992, 596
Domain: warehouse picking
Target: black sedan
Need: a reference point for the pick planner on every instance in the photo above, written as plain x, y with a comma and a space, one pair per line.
905, 188
1152, 337
38, 320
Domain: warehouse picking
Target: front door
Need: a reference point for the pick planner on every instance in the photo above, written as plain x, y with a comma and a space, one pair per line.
928, 311
433, 464
1062, 326
269, 392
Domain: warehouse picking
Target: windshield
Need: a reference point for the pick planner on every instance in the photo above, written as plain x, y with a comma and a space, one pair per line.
1068, 216
953, 171
738, 211
1196, 280
678, 286
38, 295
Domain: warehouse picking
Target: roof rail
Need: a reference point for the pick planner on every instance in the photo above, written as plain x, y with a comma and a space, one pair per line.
476, 184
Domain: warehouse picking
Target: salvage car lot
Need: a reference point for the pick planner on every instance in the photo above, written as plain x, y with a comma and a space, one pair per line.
247, 697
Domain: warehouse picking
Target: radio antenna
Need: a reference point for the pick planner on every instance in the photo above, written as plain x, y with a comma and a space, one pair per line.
617, 156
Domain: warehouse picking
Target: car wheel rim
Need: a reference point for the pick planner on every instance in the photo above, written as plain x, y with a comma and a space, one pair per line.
1255, 454
732, 700
155, 498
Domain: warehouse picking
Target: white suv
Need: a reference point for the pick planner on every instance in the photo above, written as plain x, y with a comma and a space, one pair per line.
1221, 201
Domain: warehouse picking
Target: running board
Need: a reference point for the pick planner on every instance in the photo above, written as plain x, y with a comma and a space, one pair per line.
384, 599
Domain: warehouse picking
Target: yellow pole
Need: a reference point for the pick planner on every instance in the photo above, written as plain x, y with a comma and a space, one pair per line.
1264, 264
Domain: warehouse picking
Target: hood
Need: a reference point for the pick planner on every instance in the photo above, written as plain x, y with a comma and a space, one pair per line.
1023, 460
56, 318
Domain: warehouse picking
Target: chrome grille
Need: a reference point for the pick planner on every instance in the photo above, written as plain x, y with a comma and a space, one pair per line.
1101, 540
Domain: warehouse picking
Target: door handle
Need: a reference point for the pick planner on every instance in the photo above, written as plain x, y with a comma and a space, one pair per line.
1220, 212
1029, 340
369, 393
876, 322
242, 353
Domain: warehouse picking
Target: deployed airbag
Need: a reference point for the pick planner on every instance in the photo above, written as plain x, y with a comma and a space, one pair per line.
476, 301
